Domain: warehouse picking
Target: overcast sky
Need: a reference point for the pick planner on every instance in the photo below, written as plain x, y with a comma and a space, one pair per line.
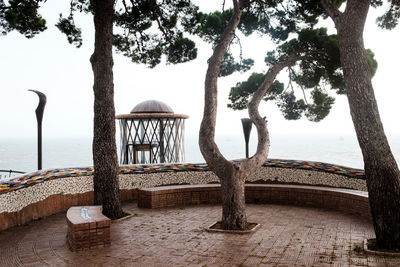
49, 64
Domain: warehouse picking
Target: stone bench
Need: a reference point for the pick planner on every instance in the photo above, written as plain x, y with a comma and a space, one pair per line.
87, 228
344, 200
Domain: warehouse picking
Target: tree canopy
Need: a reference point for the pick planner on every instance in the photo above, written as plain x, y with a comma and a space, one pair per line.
145, 30
318, 71
22, 16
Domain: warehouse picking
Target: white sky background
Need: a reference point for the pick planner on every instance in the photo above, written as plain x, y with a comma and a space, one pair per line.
49, 64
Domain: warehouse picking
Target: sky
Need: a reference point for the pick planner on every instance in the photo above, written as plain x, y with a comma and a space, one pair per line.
49, 64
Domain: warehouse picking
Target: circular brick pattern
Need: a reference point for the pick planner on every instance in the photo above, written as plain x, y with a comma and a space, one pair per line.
289, 236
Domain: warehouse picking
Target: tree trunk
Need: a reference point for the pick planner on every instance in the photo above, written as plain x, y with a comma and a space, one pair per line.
233, 202
105, 160
216, 161
381, 170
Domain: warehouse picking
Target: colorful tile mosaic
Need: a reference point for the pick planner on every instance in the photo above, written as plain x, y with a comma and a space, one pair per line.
33, 178
316, 166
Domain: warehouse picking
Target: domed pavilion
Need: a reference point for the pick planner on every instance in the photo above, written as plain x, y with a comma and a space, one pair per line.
152, 133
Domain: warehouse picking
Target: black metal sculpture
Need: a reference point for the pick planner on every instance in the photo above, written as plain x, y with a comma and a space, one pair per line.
247, 123
39, 116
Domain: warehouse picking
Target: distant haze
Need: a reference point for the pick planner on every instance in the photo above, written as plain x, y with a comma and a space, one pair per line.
21, 155
49, 64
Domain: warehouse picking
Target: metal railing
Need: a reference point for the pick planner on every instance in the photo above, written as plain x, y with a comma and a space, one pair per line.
9, 173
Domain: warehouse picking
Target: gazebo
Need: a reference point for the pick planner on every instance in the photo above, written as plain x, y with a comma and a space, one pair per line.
152, 133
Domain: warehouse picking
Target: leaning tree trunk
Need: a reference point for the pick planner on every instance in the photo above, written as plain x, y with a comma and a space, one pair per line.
105, 160
381, 170
234, 215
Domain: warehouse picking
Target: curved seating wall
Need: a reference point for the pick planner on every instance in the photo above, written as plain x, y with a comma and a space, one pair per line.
344, 200
38, 194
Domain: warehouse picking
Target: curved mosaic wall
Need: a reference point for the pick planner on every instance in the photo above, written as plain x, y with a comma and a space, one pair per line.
42, 193
34, 178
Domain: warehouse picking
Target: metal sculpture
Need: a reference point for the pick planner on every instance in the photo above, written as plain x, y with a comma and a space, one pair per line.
39, 116
247, 124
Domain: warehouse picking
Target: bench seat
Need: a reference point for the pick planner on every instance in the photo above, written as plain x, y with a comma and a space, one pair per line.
345, 200
87, 228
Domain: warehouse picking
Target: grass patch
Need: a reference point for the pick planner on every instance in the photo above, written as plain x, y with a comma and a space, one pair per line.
358, 249
125, 214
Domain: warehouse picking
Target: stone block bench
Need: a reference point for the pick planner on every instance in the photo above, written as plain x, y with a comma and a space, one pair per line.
87, 228
344, 200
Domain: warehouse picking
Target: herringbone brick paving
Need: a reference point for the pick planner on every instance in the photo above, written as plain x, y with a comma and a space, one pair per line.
289, 236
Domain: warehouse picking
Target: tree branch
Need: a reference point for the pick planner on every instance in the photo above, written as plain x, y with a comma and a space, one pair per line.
332, 11
240, 47
263, 136
161, 28
208, 148
125, 6
244, 3
301, 86
71, 8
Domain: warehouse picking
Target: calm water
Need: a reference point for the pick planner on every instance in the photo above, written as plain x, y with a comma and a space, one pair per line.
76, 152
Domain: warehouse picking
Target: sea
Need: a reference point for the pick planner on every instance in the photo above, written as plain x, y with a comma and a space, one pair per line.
21, 154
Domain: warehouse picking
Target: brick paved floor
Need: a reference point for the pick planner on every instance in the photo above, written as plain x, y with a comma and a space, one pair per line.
289, 236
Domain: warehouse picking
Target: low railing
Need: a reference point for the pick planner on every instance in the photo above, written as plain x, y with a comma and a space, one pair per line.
9, 173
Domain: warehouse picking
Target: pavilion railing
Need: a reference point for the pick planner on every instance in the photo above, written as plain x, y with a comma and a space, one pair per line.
4, 174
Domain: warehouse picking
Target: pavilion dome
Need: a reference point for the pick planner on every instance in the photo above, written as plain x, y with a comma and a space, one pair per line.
152, 106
